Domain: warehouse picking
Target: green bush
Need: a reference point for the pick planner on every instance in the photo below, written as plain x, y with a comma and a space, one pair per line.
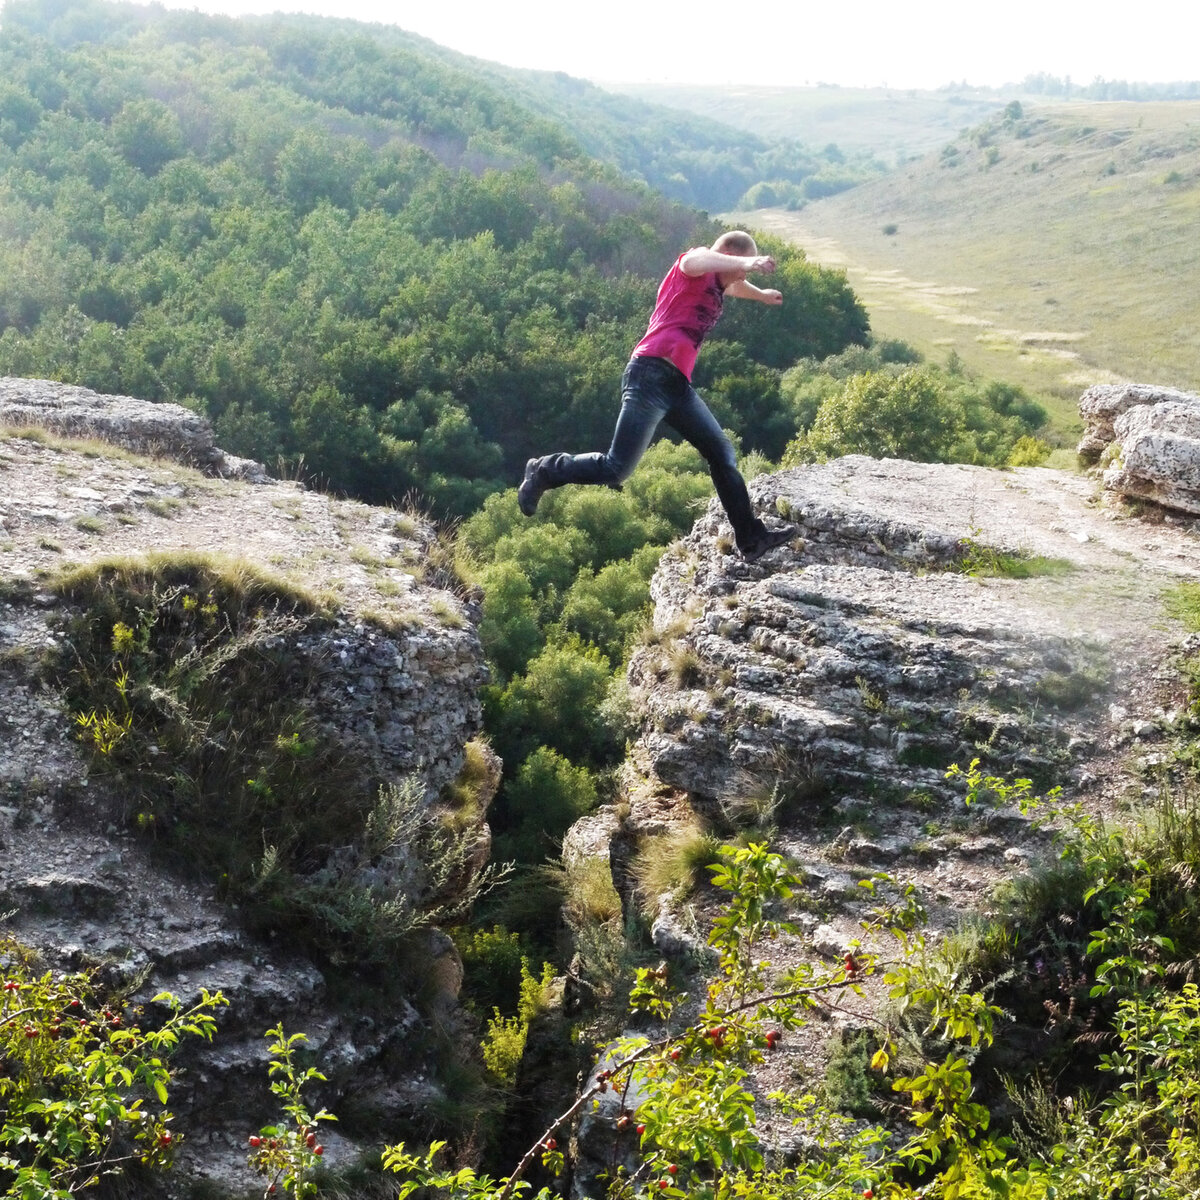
84, 1084
907, 416
541, 802
875, 402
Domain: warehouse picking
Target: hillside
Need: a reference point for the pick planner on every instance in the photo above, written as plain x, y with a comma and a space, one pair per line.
347, 253
1054, 248
892, 124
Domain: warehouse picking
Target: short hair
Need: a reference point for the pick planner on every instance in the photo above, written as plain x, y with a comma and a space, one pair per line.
736, 241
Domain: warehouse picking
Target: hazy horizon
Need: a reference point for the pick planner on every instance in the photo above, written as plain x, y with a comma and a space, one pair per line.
924, 45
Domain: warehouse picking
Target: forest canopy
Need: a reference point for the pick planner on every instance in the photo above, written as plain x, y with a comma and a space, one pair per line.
343, 251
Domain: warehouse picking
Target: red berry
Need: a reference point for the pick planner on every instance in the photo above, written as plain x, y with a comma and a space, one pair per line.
255, 1140
622, 1122
641, 1129
318, 1150
672, 1170
867, 1194
550, 1144
311, 1140
164, 1138
663, 1184
675, 1054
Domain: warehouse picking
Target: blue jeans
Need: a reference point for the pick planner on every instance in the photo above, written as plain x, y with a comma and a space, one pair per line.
654, 390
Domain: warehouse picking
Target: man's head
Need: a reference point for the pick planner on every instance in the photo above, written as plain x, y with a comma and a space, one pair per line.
736, 241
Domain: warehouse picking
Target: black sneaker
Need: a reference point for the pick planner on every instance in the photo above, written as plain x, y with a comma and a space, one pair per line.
531, 489
767, 540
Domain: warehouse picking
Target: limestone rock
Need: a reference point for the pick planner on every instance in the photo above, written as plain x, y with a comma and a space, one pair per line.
826, 690
391, 679
169, 430
1148, 438
1159, 455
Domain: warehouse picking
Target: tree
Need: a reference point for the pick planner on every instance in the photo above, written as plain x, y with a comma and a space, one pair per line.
905, 416
147, 135
547, 796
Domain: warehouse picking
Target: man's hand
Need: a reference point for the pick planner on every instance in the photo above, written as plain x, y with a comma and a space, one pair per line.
761, 262
770, 296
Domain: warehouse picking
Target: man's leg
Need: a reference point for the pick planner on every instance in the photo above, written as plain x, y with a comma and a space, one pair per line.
643, 405
692, 418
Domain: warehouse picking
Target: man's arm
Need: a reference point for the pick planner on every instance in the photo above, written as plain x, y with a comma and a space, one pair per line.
703, 261
747, 291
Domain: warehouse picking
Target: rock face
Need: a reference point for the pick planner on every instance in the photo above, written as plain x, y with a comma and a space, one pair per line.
392, 673
891, 645
825, 690
1148, 440
169, 430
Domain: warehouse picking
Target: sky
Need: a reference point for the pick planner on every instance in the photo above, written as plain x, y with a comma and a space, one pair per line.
866, 43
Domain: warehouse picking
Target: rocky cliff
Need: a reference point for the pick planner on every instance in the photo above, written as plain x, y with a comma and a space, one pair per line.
925, 615
382, 672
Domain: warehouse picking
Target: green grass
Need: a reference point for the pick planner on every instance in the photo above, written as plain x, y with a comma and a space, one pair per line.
1068, 261
1183, 603
986, 562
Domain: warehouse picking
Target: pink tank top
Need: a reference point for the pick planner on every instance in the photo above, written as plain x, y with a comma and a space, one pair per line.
687, 308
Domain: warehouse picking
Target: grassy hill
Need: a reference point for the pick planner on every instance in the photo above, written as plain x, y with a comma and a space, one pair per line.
1055, 248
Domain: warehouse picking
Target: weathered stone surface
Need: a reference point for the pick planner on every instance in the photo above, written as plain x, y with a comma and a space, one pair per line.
867, 658
1148, 439
169, 430
827, 688
392, 680
1159, 455
1103, 403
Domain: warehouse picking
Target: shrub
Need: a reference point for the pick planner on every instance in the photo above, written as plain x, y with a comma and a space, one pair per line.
504, 1044
289, 1154
546, 796
84, 1084
907, 416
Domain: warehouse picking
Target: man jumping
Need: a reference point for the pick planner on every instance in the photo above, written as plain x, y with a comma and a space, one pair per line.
657, 386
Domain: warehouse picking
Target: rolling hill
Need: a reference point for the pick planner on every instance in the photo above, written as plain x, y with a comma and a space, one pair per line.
1053, 246
892, 124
